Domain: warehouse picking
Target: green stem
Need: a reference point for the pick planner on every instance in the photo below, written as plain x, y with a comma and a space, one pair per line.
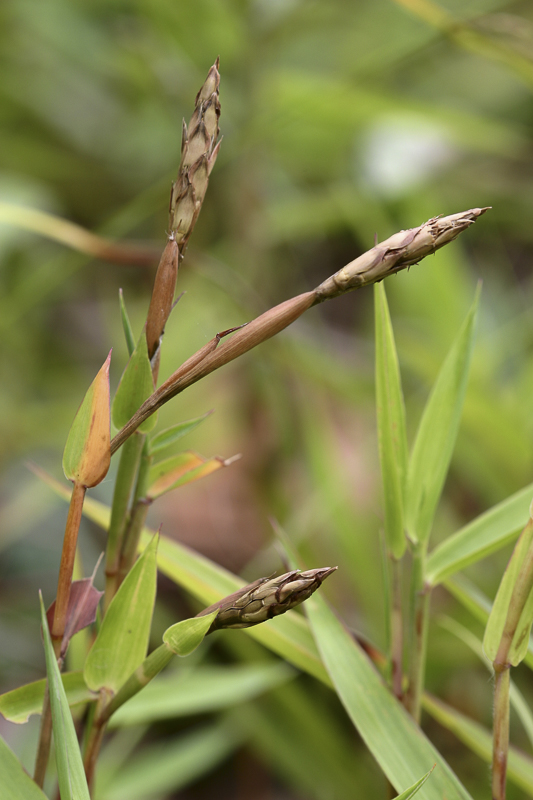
500, 744
132, 535
418, 626
151, 666
127, 470
396, 628
95, 738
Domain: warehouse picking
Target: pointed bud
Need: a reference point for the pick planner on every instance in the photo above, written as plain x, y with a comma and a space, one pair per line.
266, 598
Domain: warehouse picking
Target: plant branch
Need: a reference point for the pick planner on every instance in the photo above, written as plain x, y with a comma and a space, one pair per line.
399, 251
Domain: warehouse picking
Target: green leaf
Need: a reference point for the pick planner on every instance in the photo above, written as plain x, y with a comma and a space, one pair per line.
171, 435
505, 596
126, 325
478, 604
122, 640
70, 771
396, 742
414, 789
136, 385
178, 470
165, 768
16, 783
18, 705
184, 637
198, 691
437, 431
486, 534
479, 740
391, 426
87, 453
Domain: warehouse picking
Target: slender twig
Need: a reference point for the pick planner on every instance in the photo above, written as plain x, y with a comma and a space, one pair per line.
396, 627
418, 626
399, 251
500, 742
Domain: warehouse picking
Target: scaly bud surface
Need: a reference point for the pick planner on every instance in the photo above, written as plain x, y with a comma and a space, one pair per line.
266, 598
199, 149
400, 250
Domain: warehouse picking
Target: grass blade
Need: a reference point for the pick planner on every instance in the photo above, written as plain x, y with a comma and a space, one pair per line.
486, 534
122, 640
206, 689
70, 771
16, 783
396, 742
437, 431
391, 426
19, 704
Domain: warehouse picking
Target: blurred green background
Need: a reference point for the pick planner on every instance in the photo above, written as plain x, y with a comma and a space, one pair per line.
340, 120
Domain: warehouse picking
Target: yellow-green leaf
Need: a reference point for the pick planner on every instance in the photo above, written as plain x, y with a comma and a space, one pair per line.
70, 771
19, 704
184, 637
437, 431
391, 426
136, 385
87, 452
122, 640
180, 469
16, 783
505, 598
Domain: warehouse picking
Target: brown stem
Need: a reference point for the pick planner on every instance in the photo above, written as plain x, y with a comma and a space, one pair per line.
212, 356
67, 564
95, 738
500, 742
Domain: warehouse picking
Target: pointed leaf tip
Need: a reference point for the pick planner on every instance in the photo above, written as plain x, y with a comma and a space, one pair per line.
88, 449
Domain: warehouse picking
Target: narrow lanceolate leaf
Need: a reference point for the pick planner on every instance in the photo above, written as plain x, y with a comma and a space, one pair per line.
391, 426
201, 690
486, 534
16, 783
122, 640
171, 435
19, 704
70, 771
414, 789
477, 604
184, 637
503, 605
437, 431
135, 386
126, 324
181, 469
392, 736
87, 451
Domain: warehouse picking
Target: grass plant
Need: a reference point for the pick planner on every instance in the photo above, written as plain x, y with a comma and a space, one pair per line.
384, 691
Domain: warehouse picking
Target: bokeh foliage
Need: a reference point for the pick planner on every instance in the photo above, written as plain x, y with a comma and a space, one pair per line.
339, 120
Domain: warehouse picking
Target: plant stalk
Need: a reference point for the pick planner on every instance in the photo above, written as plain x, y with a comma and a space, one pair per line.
500, 742
127, 471
418, 628
66, 566
396, 627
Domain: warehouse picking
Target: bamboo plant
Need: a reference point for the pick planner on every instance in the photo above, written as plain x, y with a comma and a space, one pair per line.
385, 703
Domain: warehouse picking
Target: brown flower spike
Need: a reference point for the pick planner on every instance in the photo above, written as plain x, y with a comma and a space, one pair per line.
266, 598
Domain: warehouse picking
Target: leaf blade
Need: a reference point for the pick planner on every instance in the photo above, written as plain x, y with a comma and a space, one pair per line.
392, 438
437, 431
122, 641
